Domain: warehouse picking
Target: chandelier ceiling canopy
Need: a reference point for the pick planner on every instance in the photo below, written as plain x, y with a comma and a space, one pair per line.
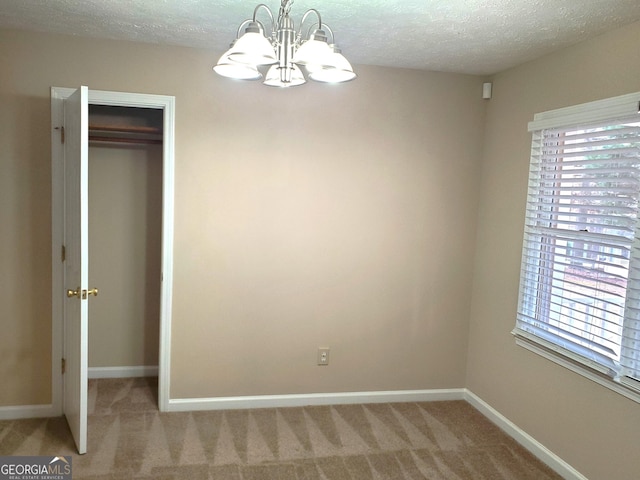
285, 54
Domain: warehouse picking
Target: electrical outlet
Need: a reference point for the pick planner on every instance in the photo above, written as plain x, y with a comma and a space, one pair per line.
323, 355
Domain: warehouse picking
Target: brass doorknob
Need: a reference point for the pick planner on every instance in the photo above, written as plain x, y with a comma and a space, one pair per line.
74, 293
93, 291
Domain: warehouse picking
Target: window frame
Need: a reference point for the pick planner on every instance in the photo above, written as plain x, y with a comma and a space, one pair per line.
597, 370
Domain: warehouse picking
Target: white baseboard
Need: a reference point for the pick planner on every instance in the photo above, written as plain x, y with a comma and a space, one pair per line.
300, 400
27, 411
552, 460
123, 372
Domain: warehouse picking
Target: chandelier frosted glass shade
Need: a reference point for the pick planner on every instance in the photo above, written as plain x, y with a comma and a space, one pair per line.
252, 48
285, 50
339, 70
277, 78
315, 51
239, 71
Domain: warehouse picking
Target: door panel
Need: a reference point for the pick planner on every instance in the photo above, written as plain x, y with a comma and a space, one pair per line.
76, 147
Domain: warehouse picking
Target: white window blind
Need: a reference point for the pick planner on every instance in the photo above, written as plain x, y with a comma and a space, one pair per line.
580, 273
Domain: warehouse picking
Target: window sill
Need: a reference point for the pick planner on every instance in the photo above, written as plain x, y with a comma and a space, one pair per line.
600, 378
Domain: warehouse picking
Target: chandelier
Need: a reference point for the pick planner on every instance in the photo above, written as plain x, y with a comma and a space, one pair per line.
283, 52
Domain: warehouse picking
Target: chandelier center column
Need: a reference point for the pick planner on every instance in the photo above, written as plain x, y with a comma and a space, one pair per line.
286, 38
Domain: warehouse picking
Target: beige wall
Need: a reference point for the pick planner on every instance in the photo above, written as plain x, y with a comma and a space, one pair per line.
353, 227
592, 428
125, 217
340, 216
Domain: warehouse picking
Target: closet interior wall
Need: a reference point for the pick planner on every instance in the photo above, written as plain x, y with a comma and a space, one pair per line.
125, 217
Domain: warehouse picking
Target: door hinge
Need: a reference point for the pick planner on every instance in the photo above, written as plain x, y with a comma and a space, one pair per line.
62, 134
63, 253
63, 365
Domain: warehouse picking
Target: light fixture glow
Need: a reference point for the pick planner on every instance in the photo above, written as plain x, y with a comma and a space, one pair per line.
274, 77
314, 51
285, 50
252, 48
338, 69
237, 70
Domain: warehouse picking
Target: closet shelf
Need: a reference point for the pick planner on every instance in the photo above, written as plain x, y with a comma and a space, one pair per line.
145, 141
125, 134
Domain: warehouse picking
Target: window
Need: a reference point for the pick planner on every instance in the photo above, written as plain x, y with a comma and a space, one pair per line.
579, 300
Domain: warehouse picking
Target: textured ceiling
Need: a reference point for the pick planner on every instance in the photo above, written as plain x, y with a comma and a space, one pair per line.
466, 36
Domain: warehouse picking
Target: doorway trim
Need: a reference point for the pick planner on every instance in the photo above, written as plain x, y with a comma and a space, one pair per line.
120, 99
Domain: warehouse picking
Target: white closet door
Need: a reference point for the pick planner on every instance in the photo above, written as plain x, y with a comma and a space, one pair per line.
76, 146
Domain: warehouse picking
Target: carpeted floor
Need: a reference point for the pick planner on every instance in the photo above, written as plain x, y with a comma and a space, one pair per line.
130, 439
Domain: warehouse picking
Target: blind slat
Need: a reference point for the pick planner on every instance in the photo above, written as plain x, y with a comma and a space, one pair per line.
609, 154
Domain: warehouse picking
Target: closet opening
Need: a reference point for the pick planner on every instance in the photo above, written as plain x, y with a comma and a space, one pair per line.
125, 244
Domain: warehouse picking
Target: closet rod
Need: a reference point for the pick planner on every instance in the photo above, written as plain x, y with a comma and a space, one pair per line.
146, 141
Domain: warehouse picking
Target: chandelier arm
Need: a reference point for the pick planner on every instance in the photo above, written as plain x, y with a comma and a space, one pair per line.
241, 26
333, 39
320, 26
265, 7
246, 22
306, 14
